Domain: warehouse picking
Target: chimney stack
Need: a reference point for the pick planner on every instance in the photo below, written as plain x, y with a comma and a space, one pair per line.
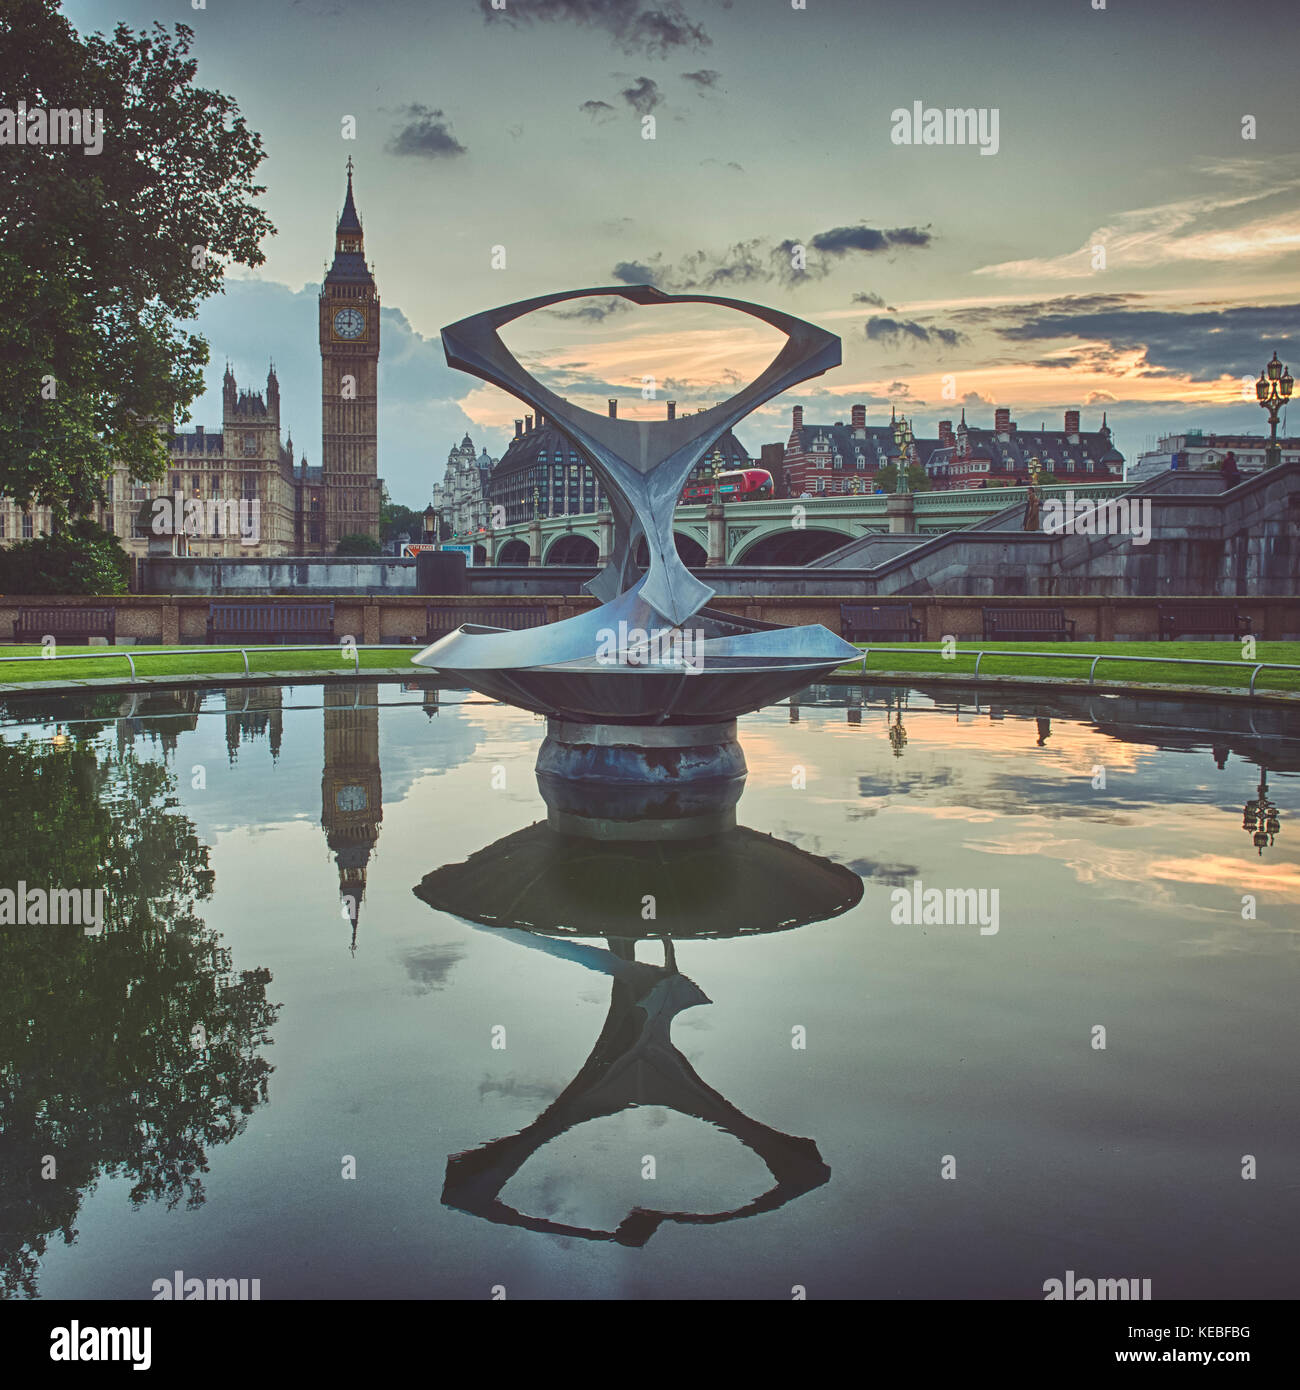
519, 428
796, 417
859, 417
1072, 423
528, 424
672, 410
541, 419
946, 439
1002, 420
613, 408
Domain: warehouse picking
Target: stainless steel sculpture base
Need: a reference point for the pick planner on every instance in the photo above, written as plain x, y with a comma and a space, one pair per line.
629, 782
715, 667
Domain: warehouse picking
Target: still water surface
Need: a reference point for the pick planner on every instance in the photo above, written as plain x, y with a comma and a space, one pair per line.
542, 1087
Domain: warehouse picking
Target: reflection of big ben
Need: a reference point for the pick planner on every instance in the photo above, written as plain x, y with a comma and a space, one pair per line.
351, 790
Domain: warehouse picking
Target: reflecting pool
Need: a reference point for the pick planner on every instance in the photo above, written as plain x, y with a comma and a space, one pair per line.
357, 1023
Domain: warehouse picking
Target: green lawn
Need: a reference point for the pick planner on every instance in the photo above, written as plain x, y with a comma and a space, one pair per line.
1072, 664
1076, 659
192, 661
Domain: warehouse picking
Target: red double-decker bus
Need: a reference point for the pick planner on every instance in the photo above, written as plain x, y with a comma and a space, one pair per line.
733, 485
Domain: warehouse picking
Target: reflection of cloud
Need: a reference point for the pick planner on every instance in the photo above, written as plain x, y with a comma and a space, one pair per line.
705, 79
1241, 875
1144, 879
429, 966
1127, 869
893, 875
531, 1091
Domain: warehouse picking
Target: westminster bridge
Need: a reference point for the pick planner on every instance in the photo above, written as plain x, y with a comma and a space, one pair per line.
771, 531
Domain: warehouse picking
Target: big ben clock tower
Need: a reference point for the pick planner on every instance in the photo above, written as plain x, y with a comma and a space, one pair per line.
349, 355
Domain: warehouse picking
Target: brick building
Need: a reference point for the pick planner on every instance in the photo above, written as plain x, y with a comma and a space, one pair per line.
821, 460
971, 457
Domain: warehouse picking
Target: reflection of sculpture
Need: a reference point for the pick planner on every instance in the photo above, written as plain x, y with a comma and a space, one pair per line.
551, 886
633, 1063
721, 666
734, 884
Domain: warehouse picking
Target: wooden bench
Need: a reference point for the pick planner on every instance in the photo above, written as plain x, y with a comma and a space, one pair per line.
861, 622
32, 624
1028, 624
1199, 620
445, 618
241, 623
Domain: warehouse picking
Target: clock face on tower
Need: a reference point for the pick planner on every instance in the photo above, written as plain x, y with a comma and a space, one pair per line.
349, 323
352, 798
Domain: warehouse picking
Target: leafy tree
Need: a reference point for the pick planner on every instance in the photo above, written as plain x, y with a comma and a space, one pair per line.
358, 544
101, 254
126, 1053
918, 480
395, 519
82, 559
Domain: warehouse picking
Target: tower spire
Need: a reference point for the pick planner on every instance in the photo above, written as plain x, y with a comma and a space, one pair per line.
349, 222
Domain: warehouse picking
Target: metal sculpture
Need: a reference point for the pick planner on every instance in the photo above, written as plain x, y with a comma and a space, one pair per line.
634, 660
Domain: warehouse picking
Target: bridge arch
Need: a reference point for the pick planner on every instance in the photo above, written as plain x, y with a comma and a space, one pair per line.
790, 546
515, 551
572, 548
691, 551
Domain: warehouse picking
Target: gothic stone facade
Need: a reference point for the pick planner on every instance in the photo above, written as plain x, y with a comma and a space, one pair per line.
303, 510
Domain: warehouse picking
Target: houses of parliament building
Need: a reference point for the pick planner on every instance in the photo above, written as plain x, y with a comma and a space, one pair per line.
303, 509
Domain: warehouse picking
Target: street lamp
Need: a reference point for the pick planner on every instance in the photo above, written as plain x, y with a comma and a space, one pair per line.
430, 523
1274, 390
903, 445
715, 472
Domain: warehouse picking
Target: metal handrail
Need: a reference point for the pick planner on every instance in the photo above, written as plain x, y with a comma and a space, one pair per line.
130, 653
1083, 656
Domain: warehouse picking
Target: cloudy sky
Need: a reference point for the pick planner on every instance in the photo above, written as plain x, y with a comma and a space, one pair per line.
953, 276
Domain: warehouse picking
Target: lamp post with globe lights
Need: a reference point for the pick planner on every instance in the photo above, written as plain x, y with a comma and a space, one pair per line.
903, 446
1273, 390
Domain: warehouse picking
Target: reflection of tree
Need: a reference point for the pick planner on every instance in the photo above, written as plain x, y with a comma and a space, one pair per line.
43, 707
125, 1053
